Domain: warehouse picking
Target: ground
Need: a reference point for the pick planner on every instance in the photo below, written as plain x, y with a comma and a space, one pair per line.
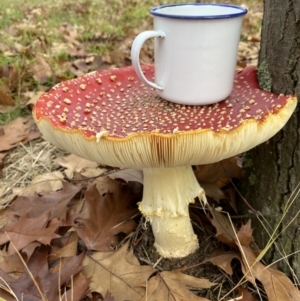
42, 44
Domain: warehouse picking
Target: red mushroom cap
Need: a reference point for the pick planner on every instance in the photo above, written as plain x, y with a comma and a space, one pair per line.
111, 117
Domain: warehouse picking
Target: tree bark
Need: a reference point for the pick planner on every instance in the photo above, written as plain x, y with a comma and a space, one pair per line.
272, 170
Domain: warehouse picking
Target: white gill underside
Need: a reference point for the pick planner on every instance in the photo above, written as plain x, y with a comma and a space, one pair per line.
167, 194
146, 150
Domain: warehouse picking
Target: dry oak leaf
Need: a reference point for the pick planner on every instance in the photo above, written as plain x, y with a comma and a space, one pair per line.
277, 285
219, 173
223, 259
10, 264
27, 230
19, 130
172, 286
43, 183
108, 216
48, 282
119, 272
79, 286
245, 294
65, 246
128, 175
225, 231
74, 163
213, 191
41, 70
245, 234
62, 249
6, 97
109, 297
106, 184
54, 202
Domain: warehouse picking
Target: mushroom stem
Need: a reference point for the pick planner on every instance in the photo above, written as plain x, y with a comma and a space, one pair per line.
167, 194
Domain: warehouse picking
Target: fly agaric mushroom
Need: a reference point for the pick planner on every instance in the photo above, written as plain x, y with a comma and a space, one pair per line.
110, 117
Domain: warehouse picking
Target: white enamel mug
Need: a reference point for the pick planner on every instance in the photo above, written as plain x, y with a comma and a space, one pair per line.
195, 51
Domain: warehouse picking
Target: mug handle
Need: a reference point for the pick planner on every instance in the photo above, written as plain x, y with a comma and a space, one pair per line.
135, 54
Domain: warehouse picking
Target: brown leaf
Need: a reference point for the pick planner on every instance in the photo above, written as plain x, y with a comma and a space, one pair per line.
108, 297
27, 230
128, 175
119, 272
108, 215
172, 286
245, 234
88, 64
32, 131
25, 289
74, 163
10, 264
245, 294
41, 70
65, 246
10, 78
219, 172
79, 288
213, 191
54, 202
33, 97
225, 231
6, 98
2, 156
277, 285
19, 130
223, 259
106, 184
42, 184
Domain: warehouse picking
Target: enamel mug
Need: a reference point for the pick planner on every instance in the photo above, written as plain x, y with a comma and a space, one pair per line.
195, 51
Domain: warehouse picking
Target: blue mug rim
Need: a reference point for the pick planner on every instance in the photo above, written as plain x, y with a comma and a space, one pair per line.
242, 12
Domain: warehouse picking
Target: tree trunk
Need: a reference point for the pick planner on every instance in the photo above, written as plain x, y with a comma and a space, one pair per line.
272, 170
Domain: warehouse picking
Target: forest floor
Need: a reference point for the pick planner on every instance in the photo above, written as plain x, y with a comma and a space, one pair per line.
56, 241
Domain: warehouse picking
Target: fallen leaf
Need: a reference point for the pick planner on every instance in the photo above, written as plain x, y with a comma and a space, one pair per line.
213, 191
65, 246
10, 78
219, 173
106, 184
6, 98
244, 294
78, 288
41, 70
92, 172
10, 263
54, 202
33, 96
222, 259
128, 175
225, 231
74, 163
19, 130
43, 183
277, 285
172, 286
108, 297
82, 66
27, 230
245, 234
119, 272
2, 156
25, 289
108, 216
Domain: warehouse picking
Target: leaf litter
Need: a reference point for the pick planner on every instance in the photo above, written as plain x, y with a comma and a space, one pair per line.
69, 232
